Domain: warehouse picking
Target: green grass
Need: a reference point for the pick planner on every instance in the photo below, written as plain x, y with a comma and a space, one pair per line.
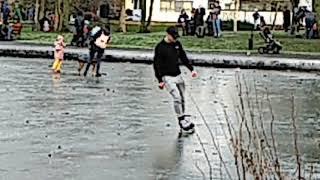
231, 42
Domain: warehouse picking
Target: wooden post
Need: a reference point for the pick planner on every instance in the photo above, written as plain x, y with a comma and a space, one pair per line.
123, 17
236, 15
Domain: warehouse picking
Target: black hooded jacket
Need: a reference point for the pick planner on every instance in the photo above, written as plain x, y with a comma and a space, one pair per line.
166, 59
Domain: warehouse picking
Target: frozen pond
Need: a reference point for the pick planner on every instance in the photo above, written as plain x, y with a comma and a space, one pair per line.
123, 127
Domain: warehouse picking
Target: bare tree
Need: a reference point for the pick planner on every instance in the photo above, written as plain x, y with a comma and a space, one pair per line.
145, 26
66, 14
317, 8
236, 14
57, 13
36, 16
42, 9
275, 16
123, 26
150, 15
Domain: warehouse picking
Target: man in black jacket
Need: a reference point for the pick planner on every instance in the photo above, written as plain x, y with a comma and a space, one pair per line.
167, 71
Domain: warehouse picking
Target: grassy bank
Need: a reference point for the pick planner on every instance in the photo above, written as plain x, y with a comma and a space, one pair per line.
230, 42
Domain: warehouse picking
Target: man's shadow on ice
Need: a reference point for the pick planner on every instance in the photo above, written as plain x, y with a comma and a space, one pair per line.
168, 160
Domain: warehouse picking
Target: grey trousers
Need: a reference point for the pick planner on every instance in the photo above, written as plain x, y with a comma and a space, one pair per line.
176, 87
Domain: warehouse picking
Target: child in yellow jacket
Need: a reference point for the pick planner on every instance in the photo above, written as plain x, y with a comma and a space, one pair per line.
58, 54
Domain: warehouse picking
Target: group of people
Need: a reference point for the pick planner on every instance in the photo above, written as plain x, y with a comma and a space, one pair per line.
99, 39
302, 15
16, 11
81, 29
10, 21
168, 54
10, 31
195, 25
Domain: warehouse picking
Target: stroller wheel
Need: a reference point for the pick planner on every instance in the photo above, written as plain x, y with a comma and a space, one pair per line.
261, 50
276, 50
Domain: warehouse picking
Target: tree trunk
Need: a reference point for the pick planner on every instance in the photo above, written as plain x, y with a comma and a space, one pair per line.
56, 14
36, 16
236, 15
42, 9
143, 16
317, 9
61, 14
66, 15
150, 16
41, 12
123, 26
275, 17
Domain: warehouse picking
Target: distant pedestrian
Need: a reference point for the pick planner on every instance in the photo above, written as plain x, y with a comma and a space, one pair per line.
199, 21
31, 12
256, 19
17, 28
262, 23
79, 25
310, 20
183, 22
286, 19
58, 54
216, 20
6, 12
166, 66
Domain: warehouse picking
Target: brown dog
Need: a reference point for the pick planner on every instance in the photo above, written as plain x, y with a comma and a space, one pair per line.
84, 59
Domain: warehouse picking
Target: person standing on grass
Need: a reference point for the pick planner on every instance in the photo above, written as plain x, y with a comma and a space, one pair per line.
79, 25
6, 12
216, 20
183, 22
166, 66
256, 19
286, 19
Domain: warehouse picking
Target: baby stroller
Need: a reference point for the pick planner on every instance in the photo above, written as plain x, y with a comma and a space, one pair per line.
272, 46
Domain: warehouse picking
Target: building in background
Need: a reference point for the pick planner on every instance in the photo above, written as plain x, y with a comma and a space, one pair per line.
169, 10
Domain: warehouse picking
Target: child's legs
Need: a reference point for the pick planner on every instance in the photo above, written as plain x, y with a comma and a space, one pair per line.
59, 67
55, 64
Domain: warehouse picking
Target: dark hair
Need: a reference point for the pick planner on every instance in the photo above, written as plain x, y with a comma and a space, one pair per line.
106, 29
183, 11
267, 30
80, 13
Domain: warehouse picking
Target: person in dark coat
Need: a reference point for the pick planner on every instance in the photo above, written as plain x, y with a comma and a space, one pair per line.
310, 20
183, 22
79, 24
198, 16
191, 23
256, 19
168, 55
286, 19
